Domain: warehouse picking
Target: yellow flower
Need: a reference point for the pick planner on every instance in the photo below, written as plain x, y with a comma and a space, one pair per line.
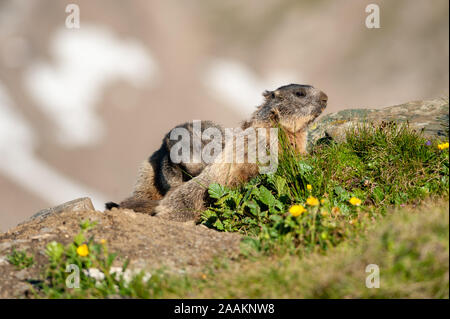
335, 210
312, 201
355, 201
83, 250
353, 221
443, 146
297, 210
309, 187
322, 201
324, 213
103, 241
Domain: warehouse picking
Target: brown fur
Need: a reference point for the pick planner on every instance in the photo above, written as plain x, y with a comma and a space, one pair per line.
146, 194
164, 190
293, 107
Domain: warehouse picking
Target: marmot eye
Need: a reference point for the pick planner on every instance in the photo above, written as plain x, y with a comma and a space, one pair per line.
300, 93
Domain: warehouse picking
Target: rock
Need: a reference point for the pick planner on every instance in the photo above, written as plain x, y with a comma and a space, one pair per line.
21, 275
431, 116
41, 237
21, 288
5, 246
3, 261
19, 242
77, 205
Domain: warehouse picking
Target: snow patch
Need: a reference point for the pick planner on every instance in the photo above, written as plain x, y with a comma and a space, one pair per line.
86, 60
19, 163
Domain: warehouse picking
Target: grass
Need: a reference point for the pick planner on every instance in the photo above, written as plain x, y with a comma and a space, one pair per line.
314, 202
310, 229
84, 269
84, 255
20, 259
410, 247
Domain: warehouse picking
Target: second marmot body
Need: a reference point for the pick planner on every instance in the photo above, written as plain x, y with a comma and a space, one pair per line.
160, 173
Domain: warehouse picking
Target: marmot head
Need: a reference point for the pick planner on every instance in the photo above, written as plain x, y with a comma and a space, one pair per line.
293, 106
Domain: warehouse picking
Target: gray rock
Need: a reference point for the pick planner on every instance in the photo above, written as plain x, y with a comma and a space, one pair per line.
21, 287
21, 275
3, 261
429, 116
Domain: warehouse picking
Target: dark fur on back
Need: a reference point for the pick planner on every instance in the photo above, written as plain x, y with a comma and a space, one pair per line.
111, 205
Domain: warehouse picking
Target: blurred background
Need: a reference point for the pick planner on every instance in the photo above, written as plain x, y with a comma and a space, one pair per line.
80, 109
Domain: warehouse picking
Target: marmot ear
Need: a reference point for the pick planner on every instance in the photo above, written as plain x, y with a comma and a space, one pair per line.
269, 94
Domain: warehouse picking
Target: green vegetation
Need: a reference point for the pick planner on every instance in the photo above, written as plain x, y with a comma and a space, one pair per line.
314, 202
20, 259
87, 254
311, 228
410, 247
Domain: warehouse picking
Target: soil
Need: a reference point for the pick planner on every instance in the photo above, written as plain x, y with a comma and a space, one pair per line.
147, 241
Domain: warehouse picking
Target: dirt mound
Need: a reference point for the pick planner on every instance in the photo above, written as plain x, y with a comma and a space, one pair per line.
148, 242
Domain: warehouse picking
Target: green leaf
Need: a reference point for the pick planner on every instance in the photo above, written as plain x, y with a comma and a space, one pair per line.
304, 168
280, 185
276, 218
266, 196
216, 191
86, 224
378, 194
110, 260
254, 208
54, 251
125, 264
218, 224
79, 239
